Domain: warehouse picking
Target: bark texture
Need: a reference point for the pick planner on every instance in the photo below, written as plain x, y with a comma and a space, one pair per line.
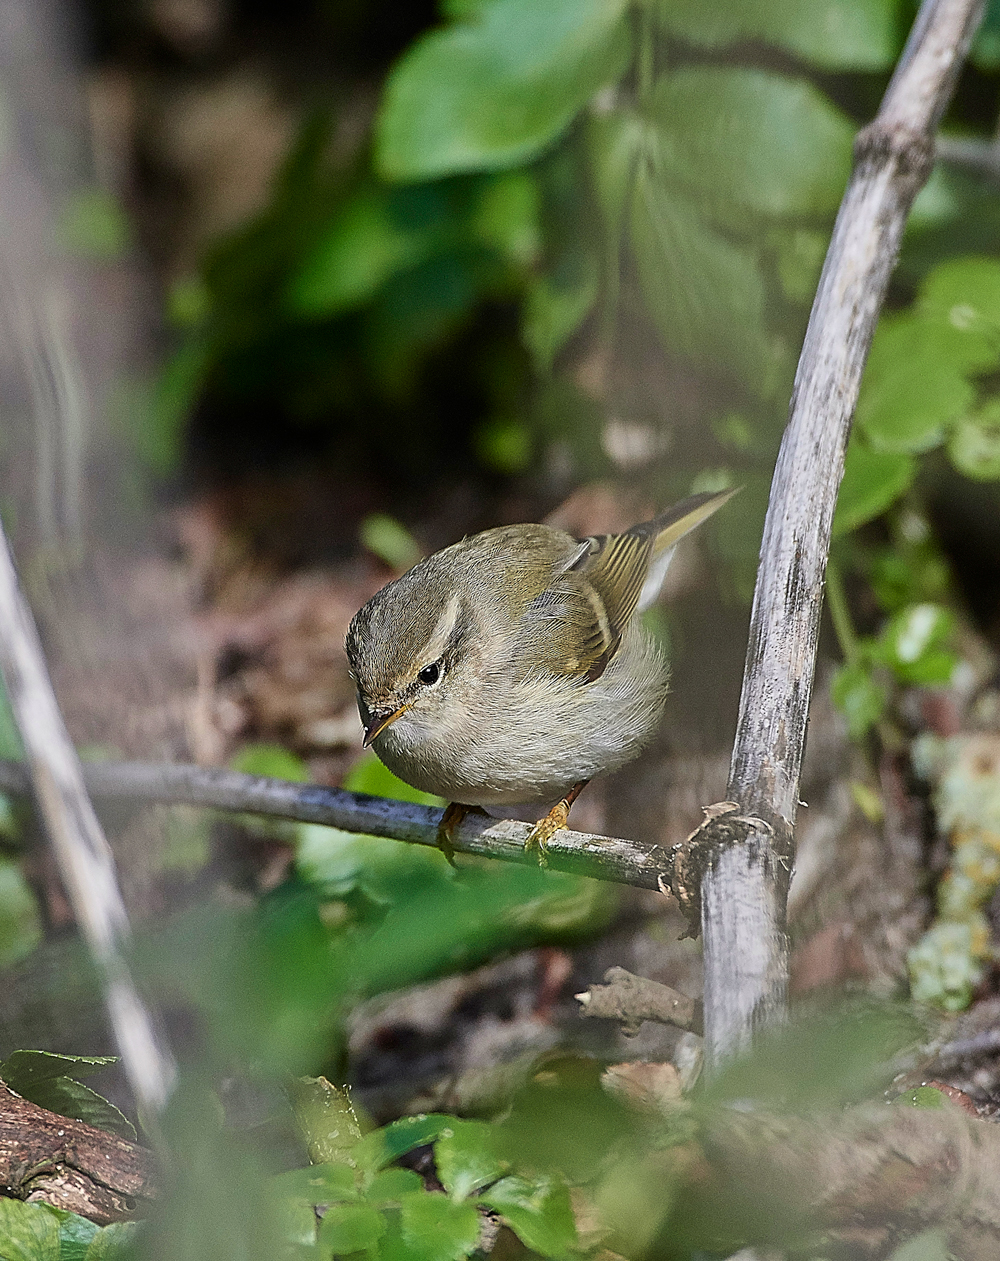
744, 887
54, 1160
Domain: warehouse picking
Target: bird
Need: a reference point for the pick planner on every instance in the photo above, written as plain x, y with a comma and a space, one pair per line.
512, 667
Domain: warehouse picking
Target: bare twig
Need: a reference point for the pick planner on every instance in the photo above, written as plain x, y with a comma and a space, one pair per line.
744, 886
978, 1046
82, 851
633, 999
980, 156
604, 857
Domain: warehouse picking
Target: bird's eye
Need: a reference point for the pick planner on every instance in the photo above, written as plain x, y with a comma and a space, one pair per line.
429, 675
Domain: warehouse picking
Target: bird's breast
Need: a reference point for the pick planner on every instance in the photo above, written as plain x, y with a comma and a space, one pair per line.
525, 742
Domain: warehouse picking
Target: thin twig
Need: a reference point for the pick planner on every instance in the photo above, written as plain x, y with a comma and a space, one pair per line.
744, 889
584, 853
980, 156
82, 851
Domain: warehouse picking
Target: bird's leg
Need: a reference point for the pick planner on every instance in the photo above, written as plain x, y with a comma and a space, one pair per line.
451, 820
556, 819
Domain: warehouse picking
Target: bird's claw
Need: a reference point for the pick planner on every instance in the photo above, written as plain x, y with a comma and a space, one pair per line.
545, 829
450, 820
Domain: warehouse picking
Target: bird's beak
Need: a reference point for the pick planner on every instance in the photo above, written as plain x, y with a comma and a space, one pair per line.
379, 722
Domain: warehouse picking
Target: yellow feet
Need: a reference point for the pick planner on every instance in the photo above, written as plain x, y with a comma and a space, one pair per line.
556, 819
451, 820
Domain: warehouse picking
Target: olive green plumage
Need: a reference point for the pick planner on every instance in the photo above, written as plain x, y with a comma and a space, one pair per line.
512, 665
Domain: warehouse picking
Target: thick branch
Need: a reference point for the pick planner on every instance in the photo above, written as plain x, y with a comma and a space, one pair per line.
584, 853
68, 1164
744, 889
85, 860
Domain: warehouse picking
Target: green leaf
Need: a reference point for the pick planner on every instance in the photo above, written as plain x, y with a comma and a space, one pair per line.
341, 861
494, 90
75, 1235
438, 1228
273, 761
369, 775
911, 644
71, 1098
873, 480
390, 541
965, 294
799, 255
93, 225
985, 53
743, 141
507, 216
914, 386
21, 1070
859, 697
363, 247
156, 421
326, 1183
834, 34
382, 1147
705, 294
615, 141
20, 918
921, 1097
929, 1245
974, 446
504, 444
389, 1186
114, 1242
556, 305
11, 748
537, 1210
350, 1228
466, 1158
944, 970
326, 1118
28, 1232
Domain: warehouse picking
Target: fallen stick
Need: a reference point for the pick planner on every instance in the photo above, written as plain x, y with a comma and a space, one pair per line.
82, 853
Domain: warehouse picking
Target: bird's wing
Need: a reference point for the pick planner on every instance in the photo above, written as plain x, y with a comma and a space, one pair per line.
574, 627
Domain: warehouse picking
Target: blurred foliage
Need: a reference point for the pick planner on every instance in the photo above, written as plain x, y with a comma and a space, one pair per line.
37, 1232
371, 874
539, 187
533, 171
951, 959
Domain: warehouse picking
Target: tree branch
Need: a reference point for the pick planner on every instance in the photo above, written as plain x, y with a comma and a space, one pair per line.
82, 851
745, 885
69, 1164
584, 853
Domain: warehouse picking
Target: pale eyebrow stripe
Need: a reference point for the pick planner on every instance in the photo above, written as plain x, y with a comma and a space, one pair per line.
442, 632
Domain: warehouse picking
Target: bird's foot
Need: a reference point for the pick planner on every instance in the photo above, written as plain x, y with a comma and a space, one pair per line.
556, 819
451, 820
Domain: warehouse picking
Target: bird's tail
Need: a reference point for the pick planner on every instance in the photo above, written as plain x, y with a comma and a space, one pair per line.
669, 528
